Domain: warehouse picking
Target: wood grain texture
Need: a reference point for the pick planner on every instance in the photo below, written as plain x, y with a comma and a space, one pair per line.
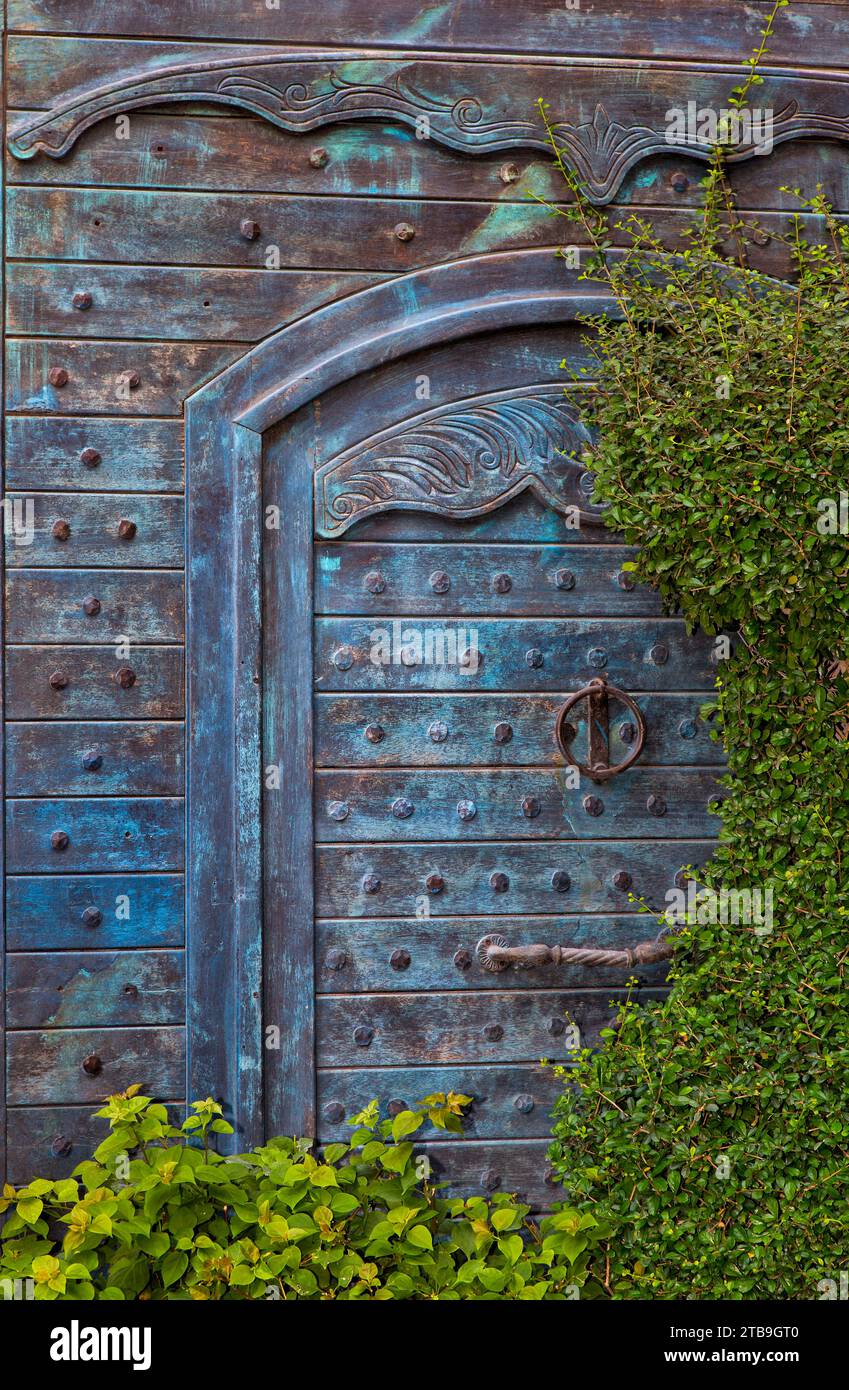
94, 688
124, 833
135, 605
53, 912
46, 1068
93, 534
94, 989
50, 1140
43, 454
95, 759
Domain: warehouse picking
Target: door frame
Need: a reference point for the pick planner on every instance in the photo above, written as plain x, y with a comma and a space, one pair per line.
230, 935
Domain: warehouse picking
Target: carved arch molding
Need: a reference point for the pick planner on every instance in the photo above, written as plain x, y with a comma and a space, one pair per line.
606, 114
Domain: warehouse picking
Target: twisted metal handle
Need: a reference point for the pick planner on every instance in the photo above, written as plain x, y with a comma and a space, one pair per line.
493, 953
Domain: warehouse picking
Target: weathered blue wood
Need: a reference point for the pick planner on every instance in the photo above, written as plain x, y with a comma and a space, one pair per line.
465, 870
94, 759
95, 534
49, 1141
675, 734
491, 804
44, 455
512, 1102
355, 956
96, 687
87, 911
47, 1067
135, 606
506, 1166
525, 518
94, 989
121, 833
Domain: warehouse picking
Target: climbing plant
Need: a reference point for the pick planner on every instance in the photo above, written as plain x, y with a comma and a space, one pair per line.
712, 1128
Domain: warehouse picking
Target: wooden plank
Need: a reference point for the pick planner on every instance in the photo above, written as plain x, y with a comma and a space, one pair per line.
523, 519
94, 683
465, 727
151, 301
464, 872
500, 649
722, 29
135, 606
44, 455
466, 1027
345, 233
509, 1101
96, 989
96, 531
493, 804
55, 758
125, 833
47, 1067
49, 1141
352, 577
520, 1168
100, 375
438, 953
74, 913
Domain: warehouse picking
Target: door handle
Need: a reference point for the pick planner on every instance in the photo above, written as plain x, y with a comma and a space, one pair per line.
598, 695
493, 953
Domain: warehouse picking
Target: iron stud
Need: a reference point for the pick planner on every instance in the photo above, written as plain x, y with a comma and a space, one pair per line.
656, 805
371, 883
60, 839
499, 882
462, 959
58, 680
90, 457
524, 1103
61, 529
126, 677
92, 760
502, 733
91, 917
374, 733
318, 157
434, 883
593, 805
534, 658
92, 1065
687, 728
374, 582
335, 959
400, 960
343, 658
502, 583
249, 229
126, 529
61, 1146
438, 731
530, 807
404, 231
363, 1034
58, 377
402, 809
334, 1112
622, 880
338, 810
659, 654
561, 881
440, 582
82, 300
91, 606
493, 1032
466, 810
597, 658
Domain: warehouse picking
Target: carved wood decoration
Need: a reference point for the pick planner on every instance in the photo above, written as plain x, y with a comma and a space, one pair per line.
607, 115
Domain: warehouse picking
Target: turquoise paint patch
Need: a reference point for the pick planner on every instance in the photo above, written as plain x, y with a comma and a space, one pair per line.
328, 563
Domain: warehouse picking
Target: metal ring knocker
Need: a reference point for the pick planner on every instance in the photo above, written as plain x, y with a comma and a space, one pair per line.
597, 695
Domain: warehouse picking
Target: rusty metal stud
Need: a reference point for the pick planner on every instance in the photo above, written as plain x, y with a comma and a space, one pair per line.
334, 1112
335, 959
82, 300
561, 881
130, 379
434, 883
687, 728
682, 878
499, 882
58, 377
470, 658
343, 658
466, 810
91, 917
404, 232
400, 959
338, 810
597, 658
556, 1027
656, 805
374, 582
530, 807
593, 805
659, 654
490, 1179
90, 457
92, 760
395, 1106
508, 173
131, 991
493, 1032
438, 731
126, 529
440, 582
625, 580
679, 181
627, 732
564, 579
371, 883
58, 680
374, 733
502, 583
502, 733
318, 157
622, 880
91, 606
61, 1146
60, 839
761, 237
363, 1034
61, 529
402, 809
126, 677
462, 959
92, 1065
524, 1103
534, 658
249, 229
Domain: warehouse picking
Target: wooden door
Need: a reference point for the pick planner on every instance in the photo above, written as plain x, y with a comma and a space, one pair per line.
444, 647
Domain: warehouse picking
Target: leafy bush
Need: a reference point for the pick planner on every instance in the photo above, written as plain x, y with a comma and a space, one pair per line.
712, 1128
157, 1214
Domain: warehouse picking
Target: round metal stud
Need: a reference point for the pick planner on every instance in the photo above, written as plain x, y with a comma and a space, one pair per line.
440, 582
438, 731
622, 880
499, 882
131, 991
659, 654
82, 300
91, 606
371, 883
249, 229
363, 1034
530, 807
374, 582
343, 658
556, 1027
502, 733
404, 231
679, 181
338, 810
564, 579
91, 917
687, 728
92, 760
400, 960
508, 173
90, 458
682, 878
524, 1103
597, 658
126, 677
61, 1146
627, 732
58, 680
336, 959
374, 733
92, 1065
534, 658
126, 529
656, 805
395, 1106
625, 580
490, 1179
493, 1032
58, 377
402, 809
334, 1112
434, 883
561, 881
462, 959
61, 529
502, 583
466, 810
318, 157
60, 839
593, 805
586, 484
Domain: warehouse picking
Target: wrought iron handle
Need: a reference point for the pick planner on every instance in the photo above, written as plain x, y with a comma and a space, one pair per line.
493, 953
598, 695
